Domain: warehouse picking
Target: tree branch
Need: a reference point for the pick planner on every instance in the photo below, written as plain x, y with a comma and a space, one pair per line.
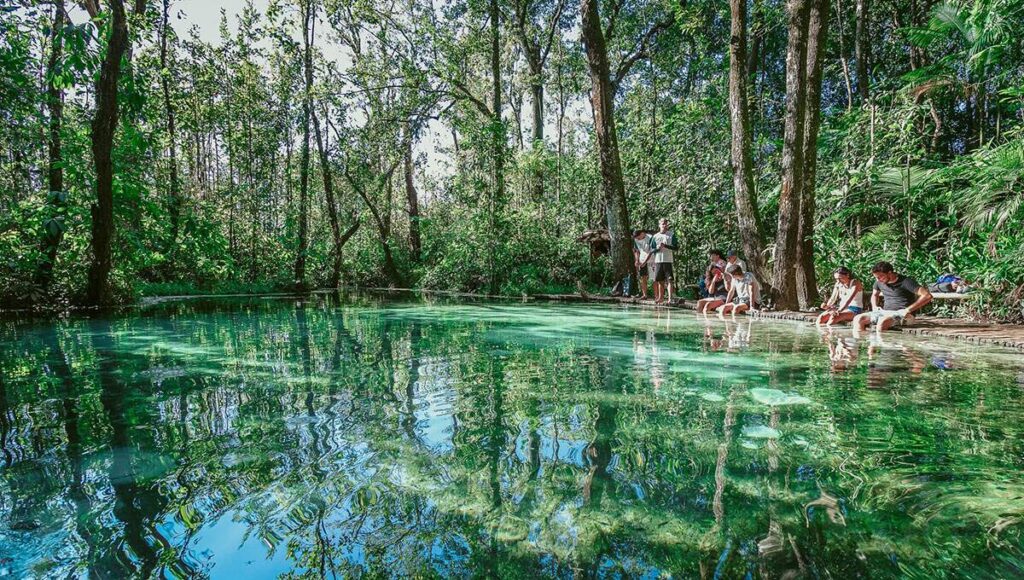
639, 50
552, 27
612, 18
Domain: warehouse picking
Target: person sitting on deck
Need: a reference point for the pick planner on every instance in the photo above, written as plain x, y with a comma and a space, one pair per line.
846, 301
663, 245
901, 298
744, 292
717, 291
642, 258
717, 260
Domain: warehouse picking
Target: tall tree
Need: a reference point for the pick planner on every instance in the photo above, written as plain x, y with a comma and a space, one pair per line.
536, 40
791, 192
817, 36
104, 125
368, 185
497, 198
53, 228
747, 214
602, 101
412, 199
337, 237
306, 10
175, 201
862, 48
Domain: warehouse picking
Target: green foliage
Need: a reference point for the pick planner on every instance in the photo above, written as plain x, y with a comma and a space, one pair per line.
926, 173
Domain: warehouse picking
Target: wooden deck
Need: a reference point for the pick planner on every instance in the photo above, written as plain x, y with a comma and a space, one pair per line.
1008, 335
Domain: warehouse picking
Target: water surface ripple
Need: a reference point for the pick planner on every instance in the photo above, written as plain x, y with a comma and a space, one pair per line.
351, 436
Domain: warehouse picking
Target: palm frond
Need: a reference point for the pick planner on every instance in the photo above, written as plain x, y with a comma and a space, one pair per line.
923, 37
947, 16
997, 194
896, 182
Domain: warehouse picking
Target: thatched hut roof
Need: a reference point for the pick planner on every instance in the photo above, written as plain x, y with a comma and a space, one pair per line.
591, 236
599, 241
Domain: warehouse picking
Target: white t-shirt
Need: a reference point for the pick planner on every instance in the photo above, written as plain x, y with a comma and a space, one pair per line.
747, 288
643, 245
664, 255
843, 294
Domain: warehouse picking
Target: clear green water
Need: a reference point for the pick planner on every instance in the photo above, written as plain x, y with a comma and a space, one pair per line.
355, 437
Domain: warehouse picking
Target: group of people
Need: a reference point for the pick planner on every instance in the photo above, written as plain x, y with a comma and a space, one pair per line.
652, 256
728, 288
731, 290
895, 299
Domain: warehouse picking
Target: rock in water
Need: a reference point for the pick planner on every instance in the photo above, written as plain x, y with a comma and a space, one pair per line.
775, 397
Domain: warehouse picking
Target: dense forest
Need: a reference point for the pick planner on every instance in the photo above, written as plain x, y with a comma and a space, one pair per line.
466, 144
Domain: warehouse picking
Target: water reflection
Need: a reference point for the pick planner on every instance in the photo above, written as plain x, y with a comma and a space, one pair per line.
328, 438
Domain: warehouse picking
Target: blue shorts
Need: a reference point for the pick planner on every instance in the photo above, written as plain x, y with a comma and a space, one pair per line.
854, 309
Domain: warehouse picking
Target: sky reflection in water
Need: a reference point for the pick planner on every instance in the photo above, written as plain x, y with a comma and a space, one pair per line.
360, 437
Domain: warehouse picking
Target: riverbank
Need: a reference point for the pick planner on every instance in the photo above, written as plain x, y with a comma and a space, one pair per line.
995, 334
1008, 335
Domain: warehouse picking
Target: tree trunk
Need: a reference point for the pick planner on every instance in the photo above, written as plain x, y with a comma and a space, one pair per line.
498, 145
844, 61
817, 37
175, 185
104, 125
53, 228
862, 48
307, 60
415, 247
332, 209
379, 183
602, 103
757, 31
791, 192
537, 88
748, 218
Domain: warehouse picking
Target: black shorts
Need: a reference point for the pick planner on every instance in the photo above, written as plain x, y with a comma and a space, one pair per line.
663, 272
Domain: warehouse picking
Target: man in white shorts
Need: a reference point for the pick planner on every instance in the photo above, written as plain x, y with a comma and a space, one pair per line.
901, 297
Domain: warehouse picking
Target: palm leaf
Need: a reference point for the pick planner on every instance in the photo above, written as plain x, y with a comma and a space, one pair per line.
996, 195
947, 16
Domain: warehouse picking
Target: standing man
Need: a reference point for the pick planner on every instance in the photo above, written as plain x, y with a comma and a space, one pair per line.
664, 244
901, 298
642, 258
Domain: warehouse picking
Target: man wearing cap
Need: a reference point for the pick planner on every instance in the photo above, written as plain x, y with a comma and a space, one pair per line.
733, 259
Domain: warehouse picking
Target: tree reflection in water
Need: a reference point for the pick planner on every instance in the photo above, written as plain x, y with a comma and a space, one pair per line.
348, 436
